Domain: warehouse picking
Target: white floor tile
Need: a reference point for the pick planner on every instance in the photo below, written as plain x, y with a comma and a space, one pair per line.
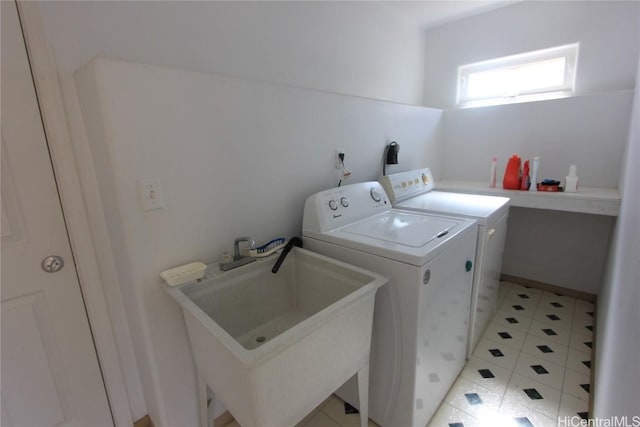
505, 334
516, 304
583, 315
553, 333
545, 349
553, 318
320, 419
516, 321
447, 416
487, 374
496, 353
334, 408
583, 325
579, 361
526, 392
572, 407
582, 341
577, 384
584, 305
513, 414
473, 399
551, 297
540, 370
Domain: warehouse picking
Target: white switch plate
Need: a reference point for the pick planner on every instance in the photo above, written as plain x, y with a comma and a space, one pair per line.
151, 194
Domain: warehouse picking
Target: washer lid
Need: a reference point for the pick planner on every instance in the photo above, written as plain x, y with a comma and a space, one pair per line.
480, 207
402, 228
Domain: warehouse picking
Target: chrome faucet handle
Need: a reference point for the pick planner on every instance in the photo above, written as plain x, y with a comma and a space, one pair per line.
236, 246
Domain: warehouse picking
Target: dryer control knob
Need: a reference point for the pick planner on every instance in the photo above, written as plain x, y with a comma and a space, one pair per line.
375, 195
344, 202
333, 205
425, 179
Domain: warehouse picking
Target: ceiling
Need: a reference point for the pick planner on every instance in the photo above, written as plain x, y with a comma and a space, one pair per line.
431, 13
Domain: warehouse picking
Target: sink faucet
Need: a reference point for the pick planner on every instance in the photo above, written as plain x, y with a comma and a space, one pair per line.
239, 260
236, 246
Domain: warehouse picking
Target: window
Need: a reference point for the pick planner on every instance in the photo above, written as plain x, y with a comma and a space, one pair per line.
542, 74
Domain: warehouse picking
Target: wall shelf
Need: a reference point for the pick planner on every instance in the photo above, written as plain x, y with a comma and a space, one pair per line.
600, 201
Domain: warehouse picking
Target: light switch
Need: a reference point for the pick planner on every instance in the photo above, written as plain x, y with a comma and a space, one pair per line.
151, 194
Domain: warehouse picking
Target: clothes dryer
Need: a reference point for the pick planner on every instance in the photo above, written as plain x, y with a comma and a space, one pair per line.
413, 191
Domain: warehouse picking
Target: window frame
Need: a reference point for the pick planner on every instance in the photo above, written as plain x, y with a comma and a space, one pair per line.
569, 52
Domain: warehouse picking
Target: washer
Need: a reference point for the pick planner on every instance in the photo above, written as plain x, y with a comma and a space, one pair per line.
420, 325
412, 190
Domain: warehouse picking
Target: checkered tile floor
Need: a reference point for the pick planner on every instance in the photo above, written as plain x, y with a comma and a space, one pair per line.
532, 366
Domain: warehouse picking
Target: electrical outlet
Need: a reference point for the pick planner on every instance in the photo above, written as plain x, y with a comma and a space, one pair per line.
339, 163
151, 194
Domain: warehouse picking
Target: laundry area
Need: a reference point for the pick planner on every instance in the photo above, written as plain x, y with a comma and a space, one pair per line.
328, 213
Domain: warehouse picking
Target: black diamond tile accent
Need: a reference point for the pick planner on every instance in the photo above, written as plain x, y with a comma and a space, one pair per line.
590, 327
583, 415
533, 393
553, 317
495, 352
473, 398
586, 387
456, 425
549, 332
587, 363
539, 369
523, 296
486, 373
556, 304
588, 344
348, 409
590, 313
511, 319
545, 349
518, 307
523, 422
504, 335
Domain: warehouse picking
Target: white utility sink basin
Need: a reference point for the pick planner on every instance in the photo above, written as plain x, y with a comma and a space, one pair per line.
272, 347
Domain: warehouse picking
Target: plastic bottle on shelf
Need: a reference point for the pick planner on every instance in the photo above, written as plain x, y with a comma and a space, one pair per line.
534, 174
524, 181
492, 176
571, 180
511, 180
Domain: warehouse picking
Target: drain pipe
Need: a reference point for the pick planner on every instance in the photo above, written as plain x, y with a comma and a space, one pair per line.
293, 241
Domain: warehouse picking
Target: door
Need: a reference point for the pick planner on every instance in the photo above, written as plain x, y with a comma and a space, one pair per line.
50, 370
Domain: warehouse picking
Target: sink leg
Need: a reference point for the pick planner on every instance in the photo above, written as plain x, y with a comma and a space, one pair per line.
202, 401
363, 395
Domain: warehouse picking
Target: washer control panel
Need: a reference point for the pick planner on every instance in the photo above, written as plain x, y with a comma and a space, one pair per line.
343, 205
400, 186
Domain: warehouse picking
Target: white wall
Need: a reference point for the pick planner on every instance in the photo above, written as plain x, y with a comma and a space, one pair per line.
235, 157
588, 130
608, 33
356, 48
617, 373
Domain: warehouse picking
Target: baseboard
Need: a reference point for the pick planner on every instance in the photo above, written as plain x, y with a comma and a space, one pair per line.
548, 287
144, 422
223, 419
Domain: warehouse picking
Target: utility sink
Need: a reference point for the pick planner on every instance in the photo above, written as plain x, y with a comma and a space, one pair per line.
272, 347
